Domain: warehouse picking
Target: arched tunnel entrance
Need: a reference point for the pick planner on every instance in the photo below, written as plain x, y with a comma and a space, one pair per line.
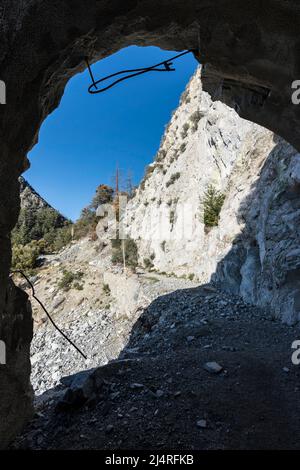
249, 53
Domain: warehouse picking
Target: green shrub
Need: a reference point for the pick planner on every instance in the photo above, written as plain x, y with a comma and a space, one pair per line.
68, 280
106, 289
172, 217
182, 147
86, 224
160, 155
172, 179
185, 129
63, 237
175, 154
195, 118
152, 279
131, 252
46, 227
36, 224
148, 263
57, 239
185, 97
24, 257
104, 195
212, 205
51, 230
88, 220
77, 286
149, 170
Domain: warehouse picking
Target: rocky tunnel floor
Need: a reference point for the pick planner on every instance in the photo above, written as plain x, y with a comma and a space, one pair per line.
161, 394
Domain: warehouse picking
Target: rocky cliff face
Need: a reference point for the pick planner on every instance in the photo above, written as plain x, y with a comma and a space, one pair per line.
30, 199
254, 250
33, 201
251, 54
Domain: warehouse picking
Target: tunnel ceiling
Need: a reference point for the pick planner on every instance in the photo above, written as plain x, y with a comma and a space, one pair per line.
250, 50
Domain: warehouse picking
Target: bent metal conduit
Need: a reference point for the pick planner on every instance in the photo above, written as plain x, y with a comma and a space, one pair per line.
47, 313
164, 66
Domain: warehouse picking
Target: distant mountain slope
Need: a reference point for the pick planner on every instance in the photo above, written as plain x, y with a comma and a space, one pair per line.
37, 218
31, 200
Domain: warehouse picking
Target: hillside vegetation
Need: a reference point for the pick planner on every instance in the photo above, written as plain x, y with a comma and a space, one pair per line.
43, 230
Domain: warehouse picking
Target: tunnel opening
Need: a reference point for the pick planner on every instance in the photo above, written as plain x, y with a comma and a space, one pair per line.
121, 315
87, 143
252, 49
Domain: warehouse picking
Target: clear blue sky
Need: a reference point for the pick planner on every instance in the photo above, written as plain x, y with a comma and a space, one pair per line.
81, 142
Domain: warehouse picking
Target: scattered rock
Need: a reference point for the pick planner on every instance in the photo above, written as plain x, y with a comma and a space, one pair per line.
213, 367
202, 423
58, 302
136, 386
109, 428
190, 338
81, 389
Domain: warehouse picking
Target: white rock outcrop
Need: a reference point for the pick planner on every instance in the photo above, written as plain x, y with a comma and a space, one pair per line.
254, 251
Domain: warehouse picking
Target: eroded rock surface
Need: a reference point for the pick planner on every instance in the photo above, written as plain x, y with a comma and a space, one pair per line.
15, 388
254, 250
158, 393
251, 52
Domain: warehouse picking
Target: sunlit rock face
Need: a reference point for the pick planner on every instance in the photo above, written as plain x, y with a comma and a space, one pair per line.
254, 249
250, 51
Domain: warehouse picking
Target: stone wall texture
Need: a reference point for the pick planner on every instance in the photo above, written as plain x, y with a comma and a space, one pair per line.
250, 50
254, 250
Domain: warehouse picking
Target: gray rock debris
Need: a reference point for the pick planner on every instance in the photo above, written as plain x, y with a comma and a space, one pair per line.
213, 367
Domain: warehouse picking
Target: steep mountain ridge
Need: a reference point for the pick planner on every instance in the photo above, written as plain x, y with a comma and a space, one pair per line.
32, 200
40, 229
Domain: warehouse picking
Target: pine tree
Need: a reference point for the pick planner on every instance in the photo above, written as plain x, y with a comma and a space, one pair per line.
212, 205
104, 195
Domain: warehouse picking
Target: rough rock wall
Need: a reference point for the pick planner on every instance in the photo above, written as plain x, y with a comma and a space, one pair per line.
250, 49
30, 199
200, 147
254, 250
262, 215
16, 332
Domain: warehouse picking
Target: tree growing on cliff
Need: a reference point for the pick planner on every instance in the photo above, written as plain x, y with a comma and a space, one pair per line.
129, 250
104, 195
87, 222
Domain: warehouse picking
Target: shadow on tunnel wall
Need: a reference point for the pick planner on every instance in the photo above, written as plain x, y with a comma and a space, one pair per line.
157, 390
154, 394
159, 385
